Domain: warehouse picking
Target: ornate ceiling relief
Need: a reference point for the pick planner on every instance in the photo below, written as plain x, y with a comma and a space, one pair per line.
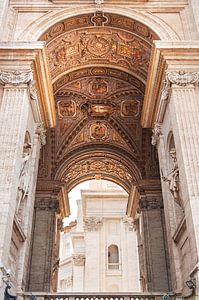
99, 64
110, 46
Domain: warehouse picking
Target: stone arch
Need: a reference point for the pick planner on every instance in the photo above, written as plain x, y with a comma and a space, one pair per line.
101, 165
37, 28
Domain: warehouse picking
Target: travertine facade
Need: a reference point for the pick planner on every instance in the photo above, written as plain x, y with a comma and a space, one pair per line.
83, 88
99, 253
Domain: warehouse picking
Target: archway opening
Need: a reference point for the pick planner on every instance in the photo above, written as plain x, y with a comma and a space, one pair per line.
94, 254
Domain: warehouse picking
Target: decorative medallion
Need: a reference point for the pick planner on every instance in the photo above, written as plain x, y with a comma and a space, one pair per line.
98, 131
98, 45
130, 108
98, 87
66, 108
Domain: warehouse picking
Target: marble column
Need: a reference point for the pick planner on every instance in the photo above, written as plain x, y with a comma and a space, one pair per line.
14, 105
44, 230
184, 109
153, 243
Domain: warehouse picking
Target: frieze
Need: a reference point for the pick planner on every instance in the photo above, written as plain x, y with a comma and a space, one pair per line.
98, 166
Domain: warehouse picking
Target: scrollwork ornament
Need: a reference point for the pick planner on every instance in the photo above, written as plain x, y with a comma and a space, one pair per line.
15, 77
182, 78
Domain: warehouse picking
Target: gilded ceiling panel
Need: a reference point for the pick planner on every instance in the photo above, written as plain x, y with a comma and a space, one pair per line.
96, 46
99, 64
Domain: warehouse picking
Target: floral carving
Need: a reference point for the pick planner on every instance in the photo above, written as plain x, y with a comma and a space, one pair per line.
182, 78
16, 77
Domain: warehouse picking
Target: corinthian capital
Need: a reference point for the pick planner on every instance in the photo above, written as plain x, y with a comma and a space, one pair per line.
15, 77
92, 223
182, 78
78, 259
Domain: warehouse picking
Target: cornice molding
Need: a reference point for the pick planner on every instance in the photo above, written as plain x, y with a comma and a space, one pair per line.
171, 63
34, 71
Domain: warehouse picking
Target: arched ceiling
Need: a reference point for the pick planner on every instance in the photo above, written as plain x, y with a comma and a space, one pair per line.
99, 64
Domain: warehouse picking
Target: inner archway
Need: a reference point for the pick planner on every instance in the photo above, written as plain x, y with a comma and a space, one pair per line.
98, 244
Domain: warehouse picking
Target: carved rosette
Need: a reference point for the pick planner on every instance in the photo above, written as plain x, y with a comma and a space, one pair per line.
92, 223
182, 78
129, 222
157, 132
78, 259
41, 131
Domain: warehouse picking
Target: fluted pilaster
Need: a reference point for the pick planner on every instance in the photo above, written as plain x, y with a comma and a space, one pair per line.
13, 121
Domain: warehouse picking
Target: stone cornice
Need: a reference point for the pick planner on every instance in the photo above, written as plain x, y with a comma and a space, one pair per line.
32, 59
57, 189
171, 63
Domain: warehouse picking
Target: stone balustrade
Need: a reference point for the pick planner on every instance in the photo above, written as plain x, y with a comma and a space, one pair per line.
98, 296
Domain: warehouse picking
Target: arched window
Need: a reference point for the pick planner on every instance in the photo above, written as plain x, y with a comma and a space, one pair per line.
113, 257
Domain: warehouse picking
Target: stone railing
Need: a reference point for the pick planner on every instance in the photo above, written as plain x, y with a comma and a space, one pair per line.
96, 296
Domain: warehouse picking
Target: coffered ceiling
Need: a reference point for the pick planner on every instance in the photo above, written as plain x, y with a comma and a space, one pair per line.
99, 64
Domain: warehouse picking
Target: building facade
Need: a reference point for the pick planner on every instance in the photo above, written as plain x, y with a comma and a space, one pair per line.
99, 252
99, 90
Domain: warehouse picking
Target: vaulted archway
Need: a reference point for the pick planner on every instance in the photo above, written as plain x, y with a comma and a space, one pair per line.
99, 64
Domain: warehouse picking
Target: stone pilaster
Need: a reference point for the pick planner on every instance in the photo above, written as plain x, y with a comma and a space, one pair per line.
14, 106
185, 121
93, 227
41, 266
152, 244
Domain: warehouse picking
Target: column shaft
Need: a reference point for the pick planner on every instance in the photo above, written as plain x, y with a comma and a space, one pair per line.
13, 121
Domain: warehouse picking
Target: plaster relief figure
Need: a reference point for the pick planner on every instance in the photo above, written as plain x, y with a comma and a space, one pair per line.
173, 176
24, 177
